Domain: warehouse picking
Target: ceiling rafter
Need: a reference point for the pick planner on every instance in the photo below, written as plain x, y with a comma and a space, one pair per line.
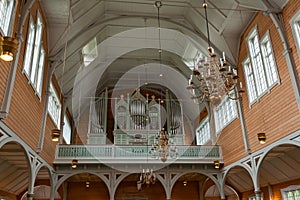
227, 19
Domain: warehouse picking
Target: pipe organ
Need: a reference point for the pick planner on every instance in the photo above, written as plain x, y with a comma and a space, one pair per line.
98, 119
138, 119
174, 118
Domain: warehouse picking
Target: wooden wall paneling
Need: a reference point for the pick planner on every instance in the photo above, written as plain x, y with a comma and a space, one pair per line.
276, 113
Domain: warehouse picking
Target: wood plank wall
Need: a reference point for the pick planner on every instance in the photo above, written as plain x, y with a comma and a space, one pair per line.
276, 113
26, 109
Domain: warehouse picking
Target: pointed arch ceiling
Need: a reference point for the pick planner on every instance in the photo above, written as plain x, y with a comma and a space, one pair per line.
104, 19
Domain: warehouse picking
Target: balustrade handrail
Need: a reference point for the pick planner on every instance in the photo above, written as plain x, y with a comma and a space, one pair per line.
109, 152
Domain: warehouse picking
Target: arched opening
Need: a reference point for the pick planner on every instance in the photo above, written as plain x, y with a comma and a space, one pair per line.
41, 192
240, 181
279, 172
191, 186
213, 193
127, 189
81, 185
14, 167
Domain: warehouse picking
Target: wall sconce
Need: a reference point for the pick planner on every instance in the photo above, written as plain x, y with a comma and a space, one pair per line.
87, 184
184, 183
55, 135
74, 163
217, 164
8, 48
262, 138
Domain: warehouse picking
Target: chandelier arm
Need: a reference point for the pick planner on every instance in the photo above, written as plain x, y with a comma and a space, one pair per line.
237, 95
233, 98
200, 99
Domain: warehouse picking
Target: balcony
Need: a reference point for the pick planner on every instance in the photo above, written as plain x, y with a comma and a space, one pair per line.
125, 154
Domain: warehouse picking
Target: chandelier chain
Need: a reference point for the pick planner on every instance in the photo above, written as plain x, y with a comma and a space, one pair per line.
158, 5
206, 20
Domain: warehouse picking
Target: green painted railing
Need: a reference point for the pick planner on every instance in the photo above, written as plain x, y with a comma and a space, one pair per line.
186, 154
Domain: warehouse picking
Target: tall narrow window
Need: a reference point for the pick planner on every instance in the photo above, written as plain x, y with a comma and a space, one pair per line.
225, 113
257, 63
269, 61
249, 75
54, 106
39, 78
29, 47
297, 28
36, 51
203, 132
67, 130
260, 69
35, 55
6, 9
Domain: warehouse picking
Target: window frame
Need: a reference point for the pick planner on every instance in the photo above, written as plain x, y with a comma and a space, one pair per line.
204, 122
218, 126
267, 37
6, 30
296, 33
67, 126
28, 55
290, 188
249, 37
260, 92
247, 63
36, 56
56, 100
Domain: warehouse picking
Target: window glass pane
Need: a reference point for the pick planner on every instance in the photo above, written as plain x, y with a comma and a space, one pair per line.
297, 194
203, 132
39, 81
36, 53
29, 47
269, 61
290, 195
297, 31
249, 75
225, 113
67, 130
54, 106
257, 67
34, 58
6, 8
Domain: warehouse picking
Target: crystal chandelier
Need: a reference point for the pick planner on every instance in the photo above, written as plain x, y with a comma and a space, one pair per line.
147, 177
163, 147
212, 77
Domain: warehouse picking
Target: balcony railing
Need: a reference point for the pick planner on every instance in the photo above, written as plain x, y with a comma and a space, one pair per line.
133, 154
